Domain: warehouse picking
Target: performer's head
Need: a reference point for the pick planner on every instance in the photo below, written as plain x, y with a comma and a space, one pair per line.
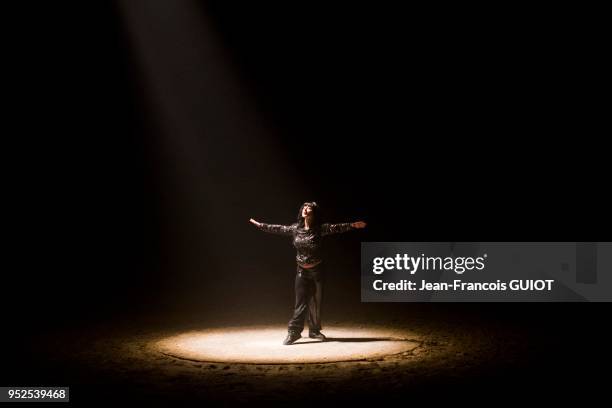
309, 210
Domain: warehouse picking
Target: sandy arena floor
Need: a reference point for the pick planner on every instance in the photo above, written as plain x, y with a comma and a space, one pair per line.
262, 345
195, 361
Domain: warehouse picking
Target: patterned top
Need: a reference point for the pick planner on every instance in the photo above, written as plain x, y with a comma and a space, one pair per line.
307, 242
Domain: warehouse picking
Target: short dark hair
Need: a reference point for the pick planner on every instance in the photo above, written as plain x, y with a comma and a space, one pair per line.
316, 214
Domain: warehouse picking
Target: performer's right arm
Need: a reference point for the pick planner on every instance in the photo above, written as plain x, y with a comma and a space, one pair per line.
274, 228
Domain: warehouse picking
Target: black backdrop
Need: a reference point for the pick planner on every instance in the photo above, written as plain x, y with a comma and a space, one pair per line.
428, 123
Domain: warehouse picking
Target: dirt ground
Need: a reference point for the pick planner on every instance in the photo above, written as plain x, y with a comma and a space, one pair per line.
112, 360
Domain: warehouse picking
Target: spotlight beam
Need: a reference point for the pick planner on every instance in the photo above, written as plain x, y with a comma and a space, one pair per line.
220, 160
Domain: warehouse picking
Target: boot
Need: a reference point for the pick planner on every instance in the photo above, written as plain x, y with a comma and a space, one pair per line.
316, 335
291, 338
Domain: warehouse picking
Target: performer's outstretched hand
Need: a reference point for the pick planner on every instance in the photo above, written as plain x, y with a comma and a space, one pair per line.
358, 224
252, 221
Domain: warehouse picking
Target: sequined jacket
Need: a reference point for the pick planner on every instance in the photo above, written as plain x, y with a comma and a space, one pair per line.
307, 242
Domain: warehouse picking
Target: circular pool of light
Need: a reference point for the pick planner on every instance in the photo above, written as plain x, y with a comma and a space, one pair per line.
263, 345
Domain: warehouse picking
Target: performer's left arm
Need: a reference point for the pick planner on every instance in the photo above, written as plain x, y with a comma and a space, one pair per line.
328, 229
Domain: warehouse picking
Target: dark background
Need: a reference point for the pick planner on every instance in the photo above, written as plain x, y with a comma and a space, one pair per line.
429, 123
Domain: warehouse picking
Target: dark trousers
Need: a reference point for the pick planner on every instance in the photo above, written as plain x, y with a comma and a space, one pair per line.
308, 292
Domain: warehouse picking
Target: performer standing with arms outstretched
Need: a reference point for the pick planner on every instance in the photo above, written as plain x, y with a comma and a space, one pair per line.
307, 233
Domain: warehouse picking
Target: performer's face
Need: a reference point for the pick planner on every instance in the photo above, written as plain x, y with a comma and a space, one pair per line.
306, 211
